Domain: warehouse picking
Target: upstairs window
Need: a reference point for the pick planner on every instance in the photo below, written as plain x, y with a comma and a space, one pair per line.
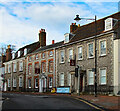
43, 55
30, 58
80, 53
20, 65
6, 68
51, 66
66, 38
18, 53
30, 69
70, 54
90, 50
14, 67
108, 24
103, 47
62, 56
43, 67
25, 51
51, 53
9, 68
13, 55
36, 57
37, 68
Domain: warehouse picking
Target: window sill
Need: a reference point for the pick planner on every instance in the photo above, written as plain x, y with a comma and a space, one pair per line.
80, 59
103, 55
62, 62
91, 57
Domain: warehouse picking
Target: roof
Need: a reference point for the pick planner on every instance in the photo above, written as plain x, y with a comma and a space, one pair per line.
88, 30
30, 48
49, 46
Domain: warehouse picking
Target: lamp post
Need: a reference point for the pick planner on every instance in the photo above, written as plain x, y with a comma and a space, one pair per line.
95, 67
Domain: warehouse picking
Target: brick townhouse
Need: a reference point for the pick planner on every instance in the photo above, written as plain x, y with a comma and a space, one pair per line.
40, 69
79, 45
15, 67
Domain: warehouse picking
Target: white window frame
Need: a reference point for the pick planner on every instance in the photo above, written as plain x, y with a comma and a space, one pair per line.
108, 21
62, 51
14, 67
50, 82
25, 51
21, 65
18, 53
13, 55
61, 80
6, 67
90, 77
66, 36
20, 81
29, 82
104, 40
89, 50
9, 68
104, 68
14, 82
69, 79
81, 52
9, 82
35, 83
70, 54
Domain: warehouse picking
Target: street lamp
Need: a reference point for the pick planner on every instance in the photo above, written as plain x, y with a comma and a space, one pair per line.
95, 69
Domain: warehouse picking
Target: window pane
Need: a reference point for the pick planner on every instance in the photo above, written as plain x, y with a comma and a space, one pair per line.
103, 47
90, 50
79, 52
62, 56
103, 76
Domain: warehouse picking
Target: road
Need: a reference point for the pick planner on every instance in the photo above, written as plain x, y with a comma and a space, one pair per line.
32, 102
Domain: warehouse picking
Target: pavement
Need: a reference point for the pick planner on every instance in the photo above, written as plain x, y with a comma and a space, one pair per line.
101, 101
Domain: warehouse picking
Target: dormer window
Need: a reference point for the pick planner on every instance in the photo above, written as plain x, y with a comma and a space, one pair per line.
13, 55
66, 38
108, 24
25, 51
18, 53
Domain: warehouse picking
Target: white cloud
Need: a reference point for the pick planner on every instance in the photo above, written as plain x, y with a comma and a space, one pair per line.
21, 21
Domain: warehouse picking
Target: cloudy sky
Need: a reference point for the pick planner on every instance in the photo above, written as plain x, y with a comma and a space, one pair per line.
21, 20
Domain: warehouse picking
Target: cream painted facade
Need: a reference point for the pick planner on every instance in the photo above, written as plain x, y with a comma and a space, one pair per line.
116, 66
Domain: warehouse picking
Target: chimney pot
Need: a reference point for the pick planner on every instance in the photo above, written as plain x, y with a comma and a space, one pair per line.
53, 41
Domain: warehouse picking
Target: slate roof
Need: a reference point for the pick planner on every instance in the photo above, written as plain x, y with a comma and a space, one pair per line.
30, 48
88, 30
49, 46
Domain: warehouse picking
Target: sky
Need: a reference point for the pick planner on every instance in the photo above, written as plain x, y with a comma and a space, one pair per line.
21, 20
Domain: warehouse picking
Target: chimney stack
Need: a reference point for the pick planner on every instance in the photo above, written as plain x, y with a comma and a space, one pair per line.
8, 53
42, 37
73, 27
53, 41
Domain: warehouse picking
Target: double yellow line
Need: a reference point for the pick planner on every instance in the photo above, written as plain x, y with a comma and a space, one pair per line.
90, 104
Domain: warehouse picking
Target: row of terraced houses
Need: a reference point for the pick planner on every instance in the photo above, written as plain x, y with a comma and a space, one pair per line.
40, 67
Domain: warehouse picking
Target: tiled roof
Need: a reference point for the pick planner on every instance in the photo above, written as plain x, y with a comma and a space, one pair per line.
49, 46
88, 30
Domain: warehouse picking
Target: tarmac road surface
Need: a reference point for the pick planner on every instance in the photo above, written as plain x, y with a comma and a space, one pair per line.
32, 102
